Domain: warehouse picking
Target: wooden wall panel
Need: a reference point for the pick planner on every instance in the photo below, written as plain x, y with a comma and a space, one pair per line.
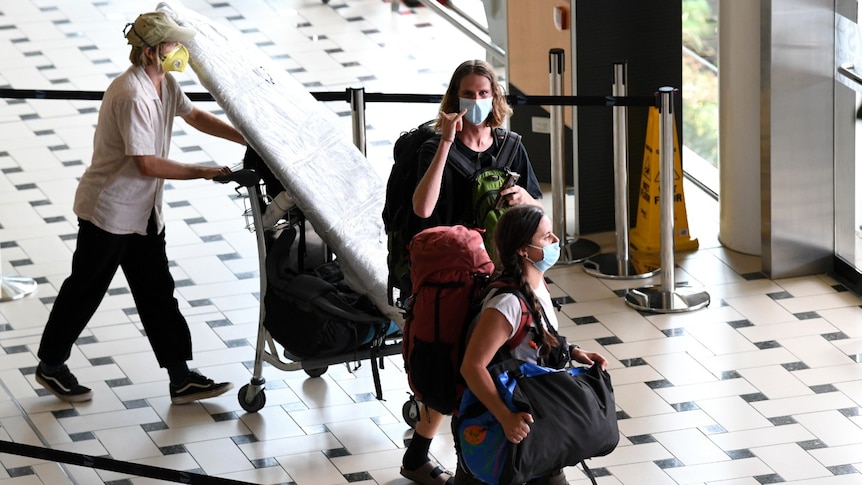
647, 34
531, 37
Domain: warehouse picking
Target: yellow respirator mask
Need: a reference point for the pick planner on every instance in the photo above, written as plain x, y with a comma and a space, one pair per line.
175, 60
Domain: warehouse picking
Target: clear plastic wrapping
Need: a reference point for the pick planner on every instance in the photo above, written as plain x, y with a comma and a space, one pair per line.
325, 174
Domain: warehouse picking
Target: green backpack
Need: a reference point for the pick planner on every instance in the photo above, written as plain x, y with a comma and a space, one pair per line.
487, 182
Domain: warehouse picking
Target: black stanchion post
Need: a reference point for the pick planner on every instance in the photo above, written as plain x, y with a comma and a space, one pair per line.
574, 249
618, 265
666, 298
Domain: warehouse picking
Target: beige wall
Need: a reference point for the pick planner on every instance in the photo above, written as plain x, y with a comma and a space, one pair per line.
531, 35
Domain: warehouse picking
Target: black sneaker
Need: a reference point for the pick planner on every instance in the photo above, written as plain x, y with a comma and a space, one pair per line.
197, 387
64, 385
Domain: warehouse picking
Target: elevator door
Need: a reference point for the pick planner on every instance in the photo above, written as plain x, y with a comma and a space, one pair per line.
848, 148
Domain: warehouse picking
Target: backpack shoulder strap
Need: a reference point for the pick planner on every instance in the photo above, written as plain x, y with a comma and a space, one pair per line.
508, 148
524, 325
460, 162
504, 158
526, 314
447, 183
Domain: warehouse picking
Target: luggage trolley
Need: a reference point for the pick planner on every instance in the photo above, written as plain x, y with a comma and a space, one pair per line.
252, 397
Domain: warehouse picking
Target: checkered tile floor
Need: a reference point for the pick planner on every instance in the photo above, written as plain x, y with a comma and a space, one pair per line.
763, 386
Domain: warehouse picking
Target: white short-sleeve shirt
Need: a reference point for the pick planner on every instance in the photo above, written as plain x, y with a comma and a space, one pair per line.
133, 121
510, 306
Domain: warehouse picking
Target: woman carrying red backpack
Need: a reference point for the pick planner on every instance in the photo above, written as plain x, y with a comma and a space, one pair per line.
526, 248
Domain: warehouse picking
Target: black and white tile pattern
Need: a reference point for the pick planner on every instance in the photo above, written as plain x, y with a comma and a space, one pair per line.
763, 386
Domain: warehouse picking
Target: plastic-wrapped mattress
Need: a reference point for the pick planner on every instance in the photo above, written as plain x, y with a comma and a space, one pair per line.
326, 175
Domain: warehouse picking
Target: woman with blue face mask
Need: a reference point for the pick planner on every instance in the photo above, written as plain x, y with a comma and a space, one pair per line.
471, 110
526, 248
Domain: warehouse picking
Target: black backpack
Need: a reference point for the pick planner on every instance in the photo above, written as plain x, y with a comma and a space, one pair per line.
399, 220
315, 314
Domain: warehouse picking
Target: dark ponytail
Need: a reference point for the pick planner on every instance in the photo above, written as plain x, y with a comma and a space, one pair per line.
514, 230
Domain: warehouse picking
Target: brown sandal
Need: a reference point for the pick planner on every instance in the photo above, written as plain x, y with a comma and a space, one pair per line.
430, 473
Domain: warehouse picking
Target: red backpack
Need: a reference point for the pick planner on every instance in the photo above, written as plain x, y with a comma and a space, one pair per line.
450, 272
449, 269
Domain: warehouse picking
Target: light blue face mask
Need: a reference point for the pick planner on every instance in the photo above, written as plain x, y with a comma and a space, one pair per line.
477, 109
550, 255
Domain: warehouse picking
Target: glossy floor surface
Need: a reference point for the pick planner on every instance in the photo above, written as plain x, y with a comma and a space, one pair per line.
762, 386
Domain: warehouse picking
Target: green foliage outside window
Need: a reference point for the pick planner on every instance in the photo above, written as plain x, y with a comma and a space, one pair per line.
700, 78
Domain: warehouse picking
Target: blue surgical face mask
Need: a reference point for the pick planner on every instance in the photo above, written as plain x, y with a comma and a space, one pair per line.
550, 255
477, 109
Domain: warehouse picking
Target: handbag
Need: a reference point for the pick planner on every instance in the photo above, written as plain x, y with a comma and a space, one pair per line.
574, 418
558, 357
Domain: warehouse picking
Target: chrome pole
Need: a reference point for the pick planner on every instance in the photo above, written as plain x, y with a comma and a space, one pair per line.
619, 265
573, 250
621, 178
666, 191
558, 176
357, 110
666, 298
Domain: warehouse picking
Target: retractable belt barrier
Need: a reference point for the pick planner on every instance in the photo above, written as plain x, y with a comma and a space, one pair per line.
109, 464
177, 476
514, 100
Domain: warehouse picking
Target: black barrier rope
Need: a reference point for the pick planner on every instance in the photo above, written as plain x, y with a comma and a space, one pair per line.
516, 100
194, 478
110, 464
520, 100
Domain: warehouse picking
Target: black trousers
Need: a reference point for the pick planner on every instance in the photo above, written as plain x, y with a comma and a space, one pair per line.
145, 264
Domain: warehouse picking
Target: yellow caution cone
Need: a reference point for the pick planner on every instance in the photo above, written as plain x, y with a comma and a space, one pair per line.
645, 238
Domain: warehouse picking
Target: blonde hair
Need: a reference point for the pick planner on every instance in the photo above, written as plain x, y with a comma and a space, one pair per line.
451, 102
138, 56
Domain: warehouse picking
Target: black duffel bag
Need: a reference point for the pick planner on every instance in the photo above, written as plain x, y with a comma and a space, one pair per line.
574, 418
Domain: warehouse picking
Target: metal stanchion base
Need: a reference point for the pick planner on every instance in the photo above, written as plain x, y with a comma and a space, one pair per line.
608, 265
15, 287
654, 299
576, 250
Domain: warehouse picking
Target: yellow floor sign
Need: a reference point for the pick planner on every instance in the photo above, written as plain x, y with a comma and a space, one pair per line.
645, 238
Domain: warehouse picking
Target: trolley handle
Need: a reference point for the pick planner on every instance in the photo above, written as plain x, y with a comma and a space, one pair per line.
245, 177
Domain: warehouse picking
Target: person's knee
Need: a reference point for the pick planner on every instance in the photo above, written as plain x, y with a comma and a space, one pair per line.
429, 421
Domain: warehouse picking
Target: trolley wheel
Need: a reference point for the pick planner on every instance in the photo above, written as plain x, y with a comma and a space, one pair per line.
253, 406
316, 372
410, 412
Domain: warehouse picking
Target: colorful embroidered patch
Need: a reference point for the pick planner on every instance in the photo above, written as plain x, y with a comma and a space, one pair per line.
475, 434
